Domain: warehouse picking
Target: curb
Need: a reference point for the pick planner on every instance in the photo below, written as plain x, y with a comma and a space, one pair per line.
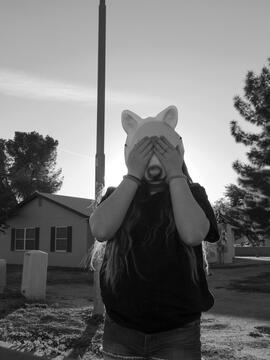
7, 353
232, 266
5, 345
244, 262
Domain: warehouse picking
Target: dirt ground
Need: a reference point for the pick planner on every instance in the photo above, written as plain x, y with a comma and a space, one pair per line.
236, 327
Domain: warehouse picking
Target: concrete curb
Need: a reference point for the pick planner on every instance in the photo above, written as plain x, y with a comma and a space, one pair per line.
240, 261
7, 353
5, 345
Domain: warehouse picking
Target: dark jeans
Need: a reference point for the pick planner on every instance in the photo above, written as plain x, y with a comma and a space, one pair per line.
127, 344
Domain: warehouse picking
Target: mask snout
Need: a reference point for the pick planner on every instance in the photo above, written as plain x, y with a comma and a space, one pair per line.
154, 171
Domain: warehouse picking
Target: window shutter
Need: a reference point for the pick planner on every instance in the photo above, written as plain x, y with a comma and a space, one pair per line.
69, 239
53, 238
37, 238
12, 248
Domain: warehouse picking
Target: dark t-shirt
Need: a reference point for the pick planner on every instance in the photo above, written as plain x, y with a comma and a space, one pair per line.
157, 293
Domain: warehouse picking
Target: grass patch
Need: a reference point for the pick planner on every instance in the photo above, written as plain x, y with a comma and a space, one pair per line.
259, 283
55, 275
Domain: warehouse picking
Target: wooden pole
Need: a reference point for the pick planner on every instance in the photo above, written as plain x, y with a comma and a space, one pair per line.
100, 156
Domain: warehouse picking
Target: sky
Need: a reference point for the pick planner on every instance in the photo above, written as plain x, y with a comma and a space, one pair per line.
192, 54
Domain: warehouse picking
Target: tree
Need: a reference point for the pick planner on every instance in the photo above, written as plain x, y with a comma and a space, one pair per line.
251, 199
228, 210
30, 164
7, 198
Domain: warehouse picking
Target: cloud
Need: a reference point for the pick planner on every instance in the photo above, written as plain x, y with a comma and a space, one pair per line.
28, 86
75, 153
24, 85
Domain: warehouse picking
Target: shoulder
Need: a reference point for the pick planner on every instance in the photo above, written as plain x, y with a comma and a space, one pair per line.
198, 189
201, 197
194, 185
108, 192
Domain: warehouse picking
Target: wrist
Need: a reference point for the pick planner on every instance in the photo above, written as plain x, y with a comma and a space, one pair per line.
133, 178
177, 177
175, 173
135, 174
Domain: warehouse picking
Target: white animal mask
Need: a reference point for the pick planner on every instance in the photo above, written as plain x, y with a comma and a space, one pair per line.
163, 124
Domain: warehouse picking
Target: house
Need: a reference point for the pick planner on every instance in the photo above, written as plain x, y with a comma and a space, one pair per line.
52, 223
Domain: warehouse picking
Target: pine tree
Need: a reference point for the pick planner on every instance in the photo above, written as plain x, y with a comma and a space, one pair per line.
251, 199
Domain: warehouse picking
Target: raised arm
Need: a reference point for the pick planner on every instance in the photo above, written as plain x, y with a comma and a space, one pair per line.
190, 219
109, 215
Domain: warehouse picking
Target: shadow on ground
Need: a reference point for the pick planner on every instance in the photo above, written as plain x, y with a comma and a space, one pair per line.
10, 301
93, 331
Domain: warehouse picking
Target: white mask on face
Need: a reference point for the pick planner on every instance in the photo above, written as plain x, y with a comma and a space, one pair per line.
163, 124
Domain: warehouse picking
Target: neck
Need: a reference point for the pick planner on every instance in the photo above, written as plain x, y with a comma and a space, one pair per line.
153, 188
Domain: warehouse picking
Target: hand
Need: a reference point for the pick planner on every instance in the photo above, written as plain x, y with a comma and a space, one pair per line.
139, 157
169, 156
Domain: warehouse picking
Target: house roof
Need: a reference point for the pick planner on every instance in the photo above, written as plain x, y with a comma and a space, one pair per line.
81, 206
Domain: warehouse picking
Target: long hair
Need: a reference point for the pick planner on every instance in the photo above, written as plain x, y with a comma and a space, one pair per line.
120, 245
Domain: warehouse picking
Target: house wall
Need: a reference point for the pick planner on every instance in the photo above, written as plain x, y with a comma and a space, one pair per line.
44, 214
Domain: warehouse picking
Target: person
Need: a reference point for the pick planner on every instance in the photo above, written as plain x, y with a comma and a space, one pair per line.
152, 276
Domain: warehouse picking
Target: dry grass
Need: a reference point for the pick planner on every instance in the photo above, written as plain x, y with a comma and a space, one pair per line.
237, 327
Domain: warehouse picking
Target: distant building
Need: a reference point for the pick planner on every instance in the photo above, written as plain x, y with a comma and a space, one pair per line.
56, 224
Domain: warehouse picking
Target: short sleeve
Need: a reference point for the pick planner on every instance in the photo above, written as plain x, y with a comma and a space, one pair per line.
201, 197
108, 192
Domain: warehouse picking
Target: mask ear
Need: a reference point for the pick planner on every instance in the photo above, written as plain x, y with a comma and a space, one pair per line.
169, 116
130, 121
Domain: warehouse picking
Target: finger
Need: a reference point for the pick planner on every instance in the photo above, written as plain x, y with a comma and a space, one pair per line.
166, 142
144, 144
149, 148
159, 155
140, 146
166, 146
160, 147
146, 147
141, 142
148, 154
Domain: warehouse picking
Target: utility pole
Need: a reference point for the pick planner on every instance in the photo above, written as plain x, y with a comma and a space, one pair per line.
100, 156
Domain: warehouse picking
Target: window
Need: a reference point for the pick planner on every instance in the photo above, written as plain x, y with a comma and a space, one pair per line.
61, 239
25, 238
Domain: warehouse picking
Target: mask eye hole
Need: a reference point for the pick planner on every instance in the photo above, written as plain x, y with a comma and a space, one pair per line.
125, 145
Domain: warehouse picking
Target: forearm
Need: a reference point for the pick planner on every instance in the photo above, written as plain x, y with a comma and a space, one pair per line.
109, 215
190, 220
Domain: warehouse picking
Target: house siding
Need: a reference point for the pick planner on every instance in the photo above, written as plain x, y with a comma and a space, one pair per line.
45, 214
